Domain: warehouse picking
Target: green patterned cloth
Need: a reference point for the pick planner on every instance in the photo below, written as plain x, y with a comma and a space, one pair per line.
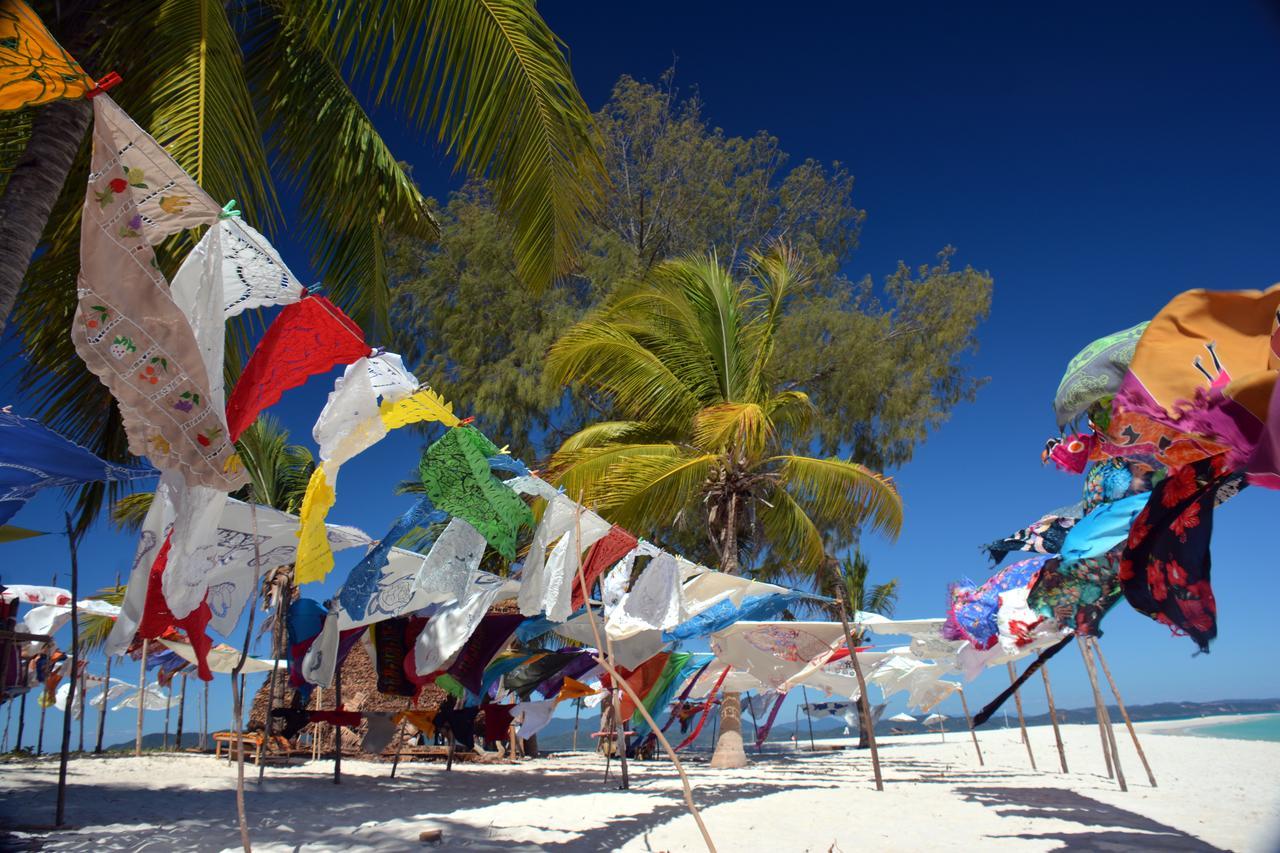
455, 472
1095, 373
1078, 593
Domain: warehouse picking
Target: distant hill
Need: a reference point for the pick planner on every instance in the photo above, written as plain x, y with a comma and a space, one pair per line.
155, 740
559, 734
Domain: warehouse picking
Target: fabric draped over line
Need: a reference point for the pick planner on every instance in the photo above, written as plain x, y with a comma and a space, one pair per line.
307, 337
1044, 536
1095, 373
34, 69
546, 582
973, 612
450, 627
677, 670
654, 601
642, 680
127, 328
455, 472
491, 635
34, 457
1207, 367
615, 545
1103, 529
1164, 569
1078, 593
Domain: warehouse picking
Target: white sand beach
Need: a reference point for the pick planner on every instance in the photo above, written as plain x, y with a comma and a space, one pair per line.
1213, 794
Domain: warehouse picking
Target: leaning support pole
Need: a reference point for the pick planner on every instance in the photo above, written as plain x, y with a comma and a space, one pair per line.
182, 707
337, 729
1022, 721
237, 692
1053, 718
1097, 650
1104, 719
71, 688
618, 679
142, 687
972, 731
805, 692
399, 746
864, 702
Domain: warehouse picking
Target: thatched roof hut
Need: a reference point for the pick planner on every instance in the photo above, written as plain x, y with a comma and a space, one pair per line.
359, 693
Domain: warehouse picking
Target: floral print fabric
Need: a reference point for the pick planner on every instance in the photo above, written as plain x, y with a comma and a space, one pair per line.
34, 69
1164, 569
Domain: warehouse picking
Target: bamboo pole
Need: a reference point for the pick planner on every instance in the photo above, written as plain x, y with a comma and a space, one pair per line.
617, 678
808, 719
1053, 718
1097, 650
1104, 719
204, 719
102, 712
864, 701
142, 687
399, 746
81, 688
972, 731
337, 729
182, 710
277, 635
577, 712
22, 714
1022, 722
168, 707
60, 811
40, 731
237, 691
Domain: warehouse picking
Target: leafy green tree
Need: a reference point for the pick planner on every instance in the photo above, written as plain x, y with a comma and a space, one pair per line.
885, 362
707, 439
249, 93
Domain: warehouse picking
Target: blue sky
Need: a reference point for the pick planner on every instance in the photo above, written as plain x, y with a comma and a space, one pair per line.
1096, 159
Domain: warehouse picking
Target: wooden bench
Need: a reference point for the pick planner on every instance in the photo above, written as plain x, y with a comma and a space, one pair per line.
253, 740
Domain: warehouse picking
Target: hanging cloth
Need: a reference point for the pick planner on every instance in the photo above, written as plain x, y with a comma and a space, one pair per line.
34, 457
1095, 373
308, 337
615, 545
490, 637
642, 680
654, 602
34, 69
128, 329
157, 619
1078, 593
1165, 565
455, 472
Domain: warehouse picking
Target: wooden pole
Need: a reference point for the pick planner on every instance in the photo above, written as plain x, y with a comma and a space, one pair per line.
277, 635
399, 745
71, 686
617, 679
168, 707
577, 712
805, 691
1053, 718
337, 730
142, 687
102, 712
182, 708
862, 682
1104, 719
1022, 720
972, 731
40, 731
1097, 650
22, 715
204, 719
81, 688
237, 692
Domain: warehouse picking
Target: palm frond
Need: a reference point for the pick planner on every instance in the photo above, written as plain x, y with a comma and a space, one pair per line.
582, 473
128, 513
94, 627
353, 189
604, 433
493, 79
740, 427
881, 598
838, 493
794, 540
648, 492
792, 414
278, 471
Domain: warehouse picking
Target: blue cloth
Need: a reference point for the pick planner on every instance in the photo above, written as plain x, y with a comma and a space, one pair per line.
362, 582
304, 622
497, 669
1103, 529
722, 614
532, 629
510, 464
34, 457
976, 611
656, 705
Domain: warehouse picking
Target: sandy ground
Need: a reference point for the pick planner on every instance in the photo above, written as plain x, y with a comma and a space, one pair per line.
1213, 794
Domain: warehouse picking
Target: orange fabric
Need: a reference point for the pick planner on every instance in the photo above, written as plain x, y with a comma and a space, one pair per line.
574, 689
34, 69
641, 679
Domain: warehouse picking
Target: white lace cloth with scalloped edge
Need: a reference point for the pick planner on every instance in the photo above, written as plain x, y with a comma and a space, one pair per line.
349, 423
253, 273
654, 602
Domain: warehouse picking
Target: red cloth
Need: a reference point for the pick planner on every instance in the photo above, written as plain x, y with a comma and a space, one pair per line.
308, 337
347, 719
641, 679
615, 545
157, 618
497, 722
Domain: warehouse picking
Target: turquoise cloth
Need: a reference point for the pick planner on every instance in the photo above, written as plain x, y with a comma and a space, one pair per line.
1104, 528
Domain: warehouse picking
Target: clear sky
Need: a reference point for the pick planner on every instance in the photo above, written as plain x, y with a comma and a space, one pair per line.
1095, 158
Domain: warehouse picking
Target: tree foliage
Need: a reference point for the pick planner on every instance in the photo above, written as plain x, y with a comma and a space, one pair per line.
883, 363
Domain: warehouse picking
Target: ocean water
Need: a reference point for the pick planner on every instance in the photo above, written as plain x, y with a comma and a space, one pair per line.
1256, 727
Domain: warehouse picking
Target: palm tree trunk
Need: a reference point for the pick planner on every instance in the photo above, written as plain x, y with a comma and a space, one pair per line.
729, 752
33, 188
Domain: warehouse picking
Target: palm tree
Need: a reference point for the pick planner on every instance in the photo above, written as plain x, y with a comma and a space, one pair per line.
246, 93
707, 433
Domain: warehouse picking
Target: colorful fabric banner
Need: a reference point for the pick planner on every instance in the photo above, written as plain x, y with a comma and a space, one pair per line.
455, 472
127, 328
1078, 593
1165, 565
722, 614
972, 615
492, 634
615, 545
34, 69
308, 337
1102, 529
34, 457
1044, 536
1095, 373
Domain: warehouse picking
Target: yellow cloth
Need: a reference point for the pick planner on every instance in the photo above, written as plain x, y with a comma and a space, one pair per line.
423, 721
574, 689
421, 405
34, 69
315, 557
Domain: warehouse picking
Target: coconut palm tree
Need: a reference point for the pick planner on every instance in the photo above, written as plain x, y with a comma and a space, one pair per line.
707, 436
248, 93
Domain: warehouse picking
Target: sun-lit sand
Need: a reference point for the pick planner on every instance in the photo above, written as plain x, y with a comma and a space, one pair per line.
1213, 794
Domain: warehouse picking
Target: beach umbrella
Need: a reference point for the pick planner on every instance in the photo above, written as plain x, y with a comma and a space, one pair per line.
904, 717
939, 719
